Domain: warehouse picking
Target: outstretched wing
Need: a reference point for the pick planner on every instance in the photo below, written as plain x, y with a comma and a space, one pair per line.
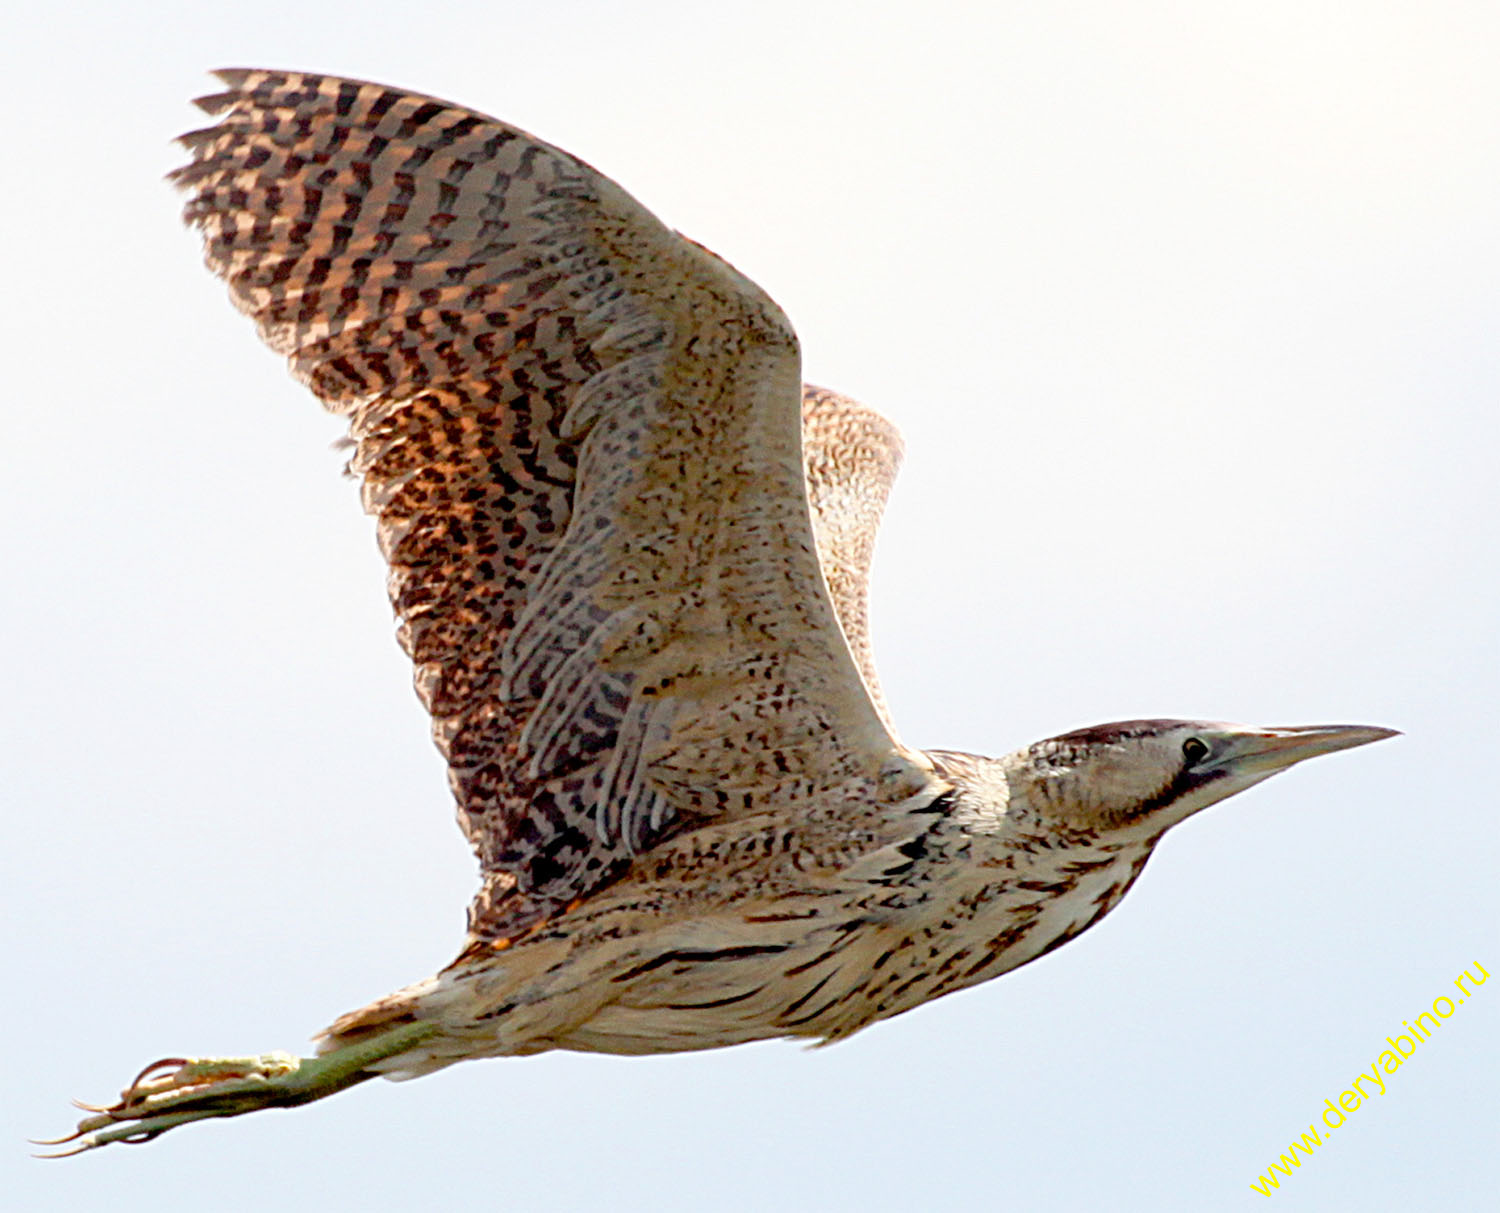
852, 455
580, 435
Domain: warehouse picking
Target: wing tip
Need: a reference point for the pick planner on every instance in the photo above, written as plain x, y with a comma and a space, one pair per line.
233, 79
239, 82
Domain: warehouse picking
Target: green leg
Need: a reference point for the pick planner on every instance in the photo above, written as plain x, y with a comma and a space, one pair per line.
179, 1090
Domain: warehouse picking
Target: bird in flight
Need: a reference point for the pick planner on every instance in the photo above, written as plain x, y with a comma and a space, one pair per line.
629, 553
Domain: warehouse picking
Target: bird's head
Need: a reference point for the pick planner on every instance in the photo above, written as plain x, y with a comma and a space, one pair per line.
1148, 775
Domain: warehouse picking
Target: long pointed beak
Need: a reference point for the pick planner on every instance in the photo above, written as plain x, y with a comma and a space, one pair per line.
1271, 750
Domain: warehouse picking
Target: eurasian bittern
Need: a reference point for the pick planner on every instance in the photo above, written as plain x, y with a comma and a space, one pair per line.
628, 556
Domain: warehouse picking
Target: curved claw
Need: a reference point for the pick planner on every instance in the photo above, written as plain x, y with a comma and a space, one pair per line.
63, 1153
54, 1141
176, 1063
90, 1136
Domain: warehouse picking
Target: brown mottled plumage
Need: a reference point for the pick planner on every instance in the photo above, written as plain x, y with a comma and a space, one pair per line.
628, 557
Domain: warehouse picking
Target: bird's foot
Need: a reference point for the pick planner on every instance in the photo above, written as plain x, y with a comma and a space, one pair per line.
179, 1090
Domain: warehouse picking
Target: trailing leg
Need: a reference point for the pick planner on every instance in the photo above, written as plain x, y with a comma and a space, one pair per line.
179, 1090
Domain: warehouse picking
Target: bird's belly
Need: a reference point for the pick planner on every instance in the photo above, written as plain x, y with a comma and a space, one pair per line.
831, 982
818, 968
747, 988
636, 1031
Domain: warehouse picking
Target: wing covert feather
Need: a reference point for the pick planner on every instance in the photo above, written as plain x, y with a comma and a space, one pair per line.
580, 435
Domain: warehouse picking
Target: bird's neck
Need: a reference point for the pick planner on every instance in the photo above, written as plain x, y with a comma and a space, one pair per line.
1008, 884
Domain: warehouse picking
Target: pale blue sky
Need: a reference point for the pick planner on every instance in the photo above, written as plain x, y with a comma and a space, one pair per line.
1188, 313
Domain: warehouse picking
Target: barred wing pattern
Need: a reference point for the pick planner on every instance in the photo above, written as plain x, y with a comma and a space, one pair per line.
579, 433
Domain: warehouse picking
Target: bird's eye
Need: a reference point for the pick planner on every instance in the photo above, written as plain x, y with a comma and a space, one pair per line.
1194, 750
